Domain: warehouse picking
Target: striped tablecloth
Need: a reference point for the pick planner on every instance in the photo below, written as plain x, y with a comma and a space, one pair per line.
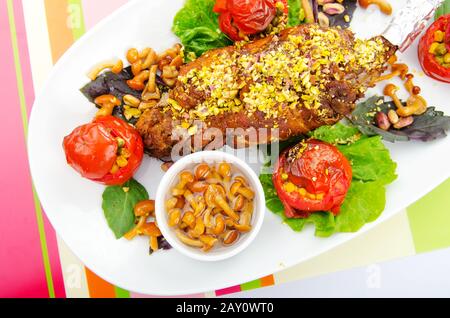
34, 262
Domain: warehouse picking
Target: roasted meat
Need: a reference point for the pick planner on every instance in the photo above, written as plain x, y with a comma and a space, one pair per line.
288, 84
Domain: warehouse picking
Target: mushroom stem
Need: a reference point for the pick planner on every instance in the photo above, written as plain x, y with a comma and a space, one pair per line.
390, 90
226, 208
410, 87
387, 76
397, 70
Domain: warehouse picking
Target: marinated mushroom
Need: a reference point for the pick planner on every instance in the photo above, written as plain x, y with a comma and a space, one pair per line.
400, 70
210, 206
225, 171
415, 105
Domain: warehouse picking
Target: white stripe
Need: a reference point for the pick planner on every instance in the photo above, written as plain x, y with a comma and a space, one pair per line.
38, 41
75, 281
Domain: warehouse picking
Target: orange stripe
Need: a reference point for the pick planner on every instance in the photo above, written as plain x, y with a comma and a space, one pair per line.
267, 281
61, 35
98, 288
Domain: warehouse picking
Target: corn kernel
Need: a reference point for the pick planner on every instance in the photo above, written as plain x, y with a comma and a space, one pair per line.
124, 152
114, 169
439, 36
311, 196
289, 187
121, 161
447, 58
433, 47
302, 192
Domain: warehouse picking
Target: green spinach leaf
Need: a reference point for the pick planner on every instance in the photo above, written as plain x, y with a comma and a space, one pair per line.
118, 205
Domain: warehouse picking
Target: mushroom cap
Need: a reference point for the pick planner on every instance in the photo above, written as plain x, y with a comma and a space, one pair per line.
402, 69
418, 103
390, 90
187, 176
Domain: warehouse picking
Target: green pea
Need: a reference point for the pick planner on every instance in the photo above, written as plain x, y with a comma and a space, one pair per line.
439, 59
441, 49
447, 58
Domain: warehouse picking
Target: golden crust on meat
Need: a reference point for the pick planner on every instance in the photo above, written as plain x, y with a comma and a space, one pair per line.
303, 78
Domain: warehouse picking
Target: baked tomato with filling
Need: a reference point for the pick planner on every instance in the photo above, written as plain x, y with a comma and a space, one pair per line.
107, 151
239, 18
310, 177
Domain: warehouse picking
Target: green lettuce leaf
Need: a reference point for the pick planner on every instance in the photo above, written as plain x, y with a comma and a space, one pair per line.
370, 160
338, 134
118, 205
364, 204
443, 9
372, 168
197, 26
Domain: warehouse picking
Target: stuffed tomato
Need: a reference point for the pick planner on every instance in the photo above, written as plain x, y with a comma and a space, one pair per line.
434, 50
107, 151
310, 177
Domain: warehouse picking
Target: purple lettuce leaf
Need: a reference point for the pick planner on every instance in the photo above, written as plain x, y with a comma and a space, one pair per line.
429, 126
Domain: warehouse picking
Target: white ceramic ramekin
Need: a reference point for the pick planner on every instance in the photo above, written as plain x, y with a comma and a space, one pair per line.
170, 179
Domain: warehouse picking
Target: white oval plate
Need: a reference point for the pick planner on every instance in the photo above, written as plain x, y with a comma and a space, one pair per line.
73, 204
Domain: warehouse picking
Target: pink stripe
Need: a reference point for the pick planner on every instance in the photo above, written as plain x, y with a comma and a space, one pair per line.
23, 54
21, 268
94, 11
52, 246
229, 290
137, 295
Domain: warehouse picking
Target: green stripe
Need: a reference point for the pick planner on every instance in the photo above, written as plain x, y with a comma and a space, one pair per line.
122, 293
45, 254
23, 109
429, 219
251, 285
76, 12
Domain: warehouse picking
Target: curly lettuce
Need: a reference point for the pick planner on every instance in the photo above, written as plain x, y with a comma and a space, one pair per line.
197, 26
373, 169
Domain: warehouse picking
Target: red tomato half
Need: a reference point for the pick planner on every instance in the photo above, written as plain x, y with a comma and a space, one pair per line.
310, 177
93, 150
246, 17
